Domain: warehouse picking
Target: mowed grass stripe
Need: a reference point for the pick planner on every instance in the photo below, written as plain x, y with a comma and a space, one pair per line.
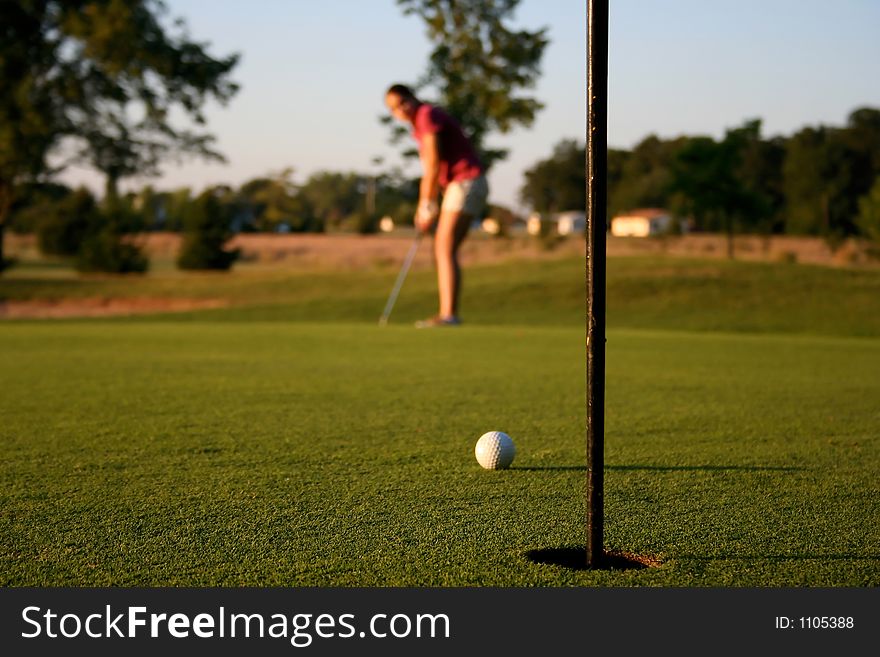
643, 292
266, 453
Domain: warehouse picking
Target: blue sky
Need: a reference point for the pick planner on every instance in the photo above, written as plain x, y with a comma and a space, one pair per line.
313, 73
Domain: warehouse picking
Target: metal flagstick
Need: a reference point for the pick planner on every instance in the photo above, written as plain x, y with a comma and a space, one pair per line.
597, 157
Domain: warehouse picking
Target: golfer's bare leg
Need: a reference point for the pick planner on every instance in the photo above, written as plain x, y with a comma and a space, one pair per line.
452, 227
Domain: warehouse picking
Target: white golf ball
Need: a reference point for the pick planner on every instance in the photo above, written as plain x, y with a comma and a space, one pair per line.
495, 450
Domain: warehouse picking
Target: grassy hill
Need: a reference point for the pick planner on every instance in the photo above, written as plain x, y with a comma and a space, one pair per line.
643, 292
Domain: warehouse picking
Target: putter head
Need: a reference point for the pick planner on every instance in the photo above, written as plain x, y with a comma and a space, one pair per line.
383, 321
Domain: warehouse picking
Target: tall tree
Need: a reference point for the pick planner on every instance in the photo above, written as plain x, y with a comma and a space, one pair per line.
273, 201
480, 67
699, 172
826, 171
617, 164
31, 116
760, 171
206, 231
643, 178
712, 182
868, 219
332, 199
863, 128
64, 225
822, 182
557, 183
98, 80
757, 172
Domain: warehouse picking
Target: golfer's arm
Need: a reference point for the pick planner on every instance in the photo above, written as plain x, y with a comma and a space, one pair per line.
430, 156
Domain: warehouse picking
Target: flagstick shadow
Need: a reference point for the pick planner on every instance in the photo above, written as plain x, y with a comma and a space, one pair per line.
663, 468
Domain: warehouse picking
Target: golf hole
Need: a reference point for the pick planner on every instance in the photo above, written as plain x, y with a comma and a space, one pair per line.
575, 558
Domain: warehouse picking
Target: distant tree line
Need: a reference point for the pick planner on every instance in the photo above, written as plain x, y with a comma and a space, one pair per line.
822, 181
69, 222
326, 202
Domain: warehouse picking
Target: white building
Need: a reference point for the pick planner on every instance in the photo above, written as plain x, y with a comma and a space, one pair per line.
564, 223
643, 222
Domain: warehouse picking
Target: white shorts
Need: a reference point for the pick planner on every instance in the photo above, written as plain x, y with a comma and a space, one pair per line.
466, 196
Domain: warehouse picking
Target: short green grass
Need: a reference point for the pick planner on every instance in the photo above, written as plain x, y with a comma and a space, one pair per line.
241, 447
643, 292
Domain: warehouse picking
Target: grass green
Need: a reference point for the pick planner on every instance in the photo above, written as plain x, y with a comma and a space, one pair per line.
643, 292
288, 440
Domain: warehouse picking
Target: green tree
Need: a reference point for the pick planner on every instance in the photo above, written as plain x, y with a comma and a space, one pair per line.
99, 79
270, 202
31, 202
617, 164
868, 219
64, 224
559, 182
334, 200
863, 131
698, 173
397, 197
755, 191
207, 230
804, 181
176, 205
150, 205
826, 171
719, 184
104, 251
108, 245
31, 116
760, 171
642, 178
480, 66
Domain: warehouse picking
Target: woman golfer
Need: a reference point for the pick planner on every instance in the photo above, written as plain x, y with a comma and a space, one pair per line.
451, 166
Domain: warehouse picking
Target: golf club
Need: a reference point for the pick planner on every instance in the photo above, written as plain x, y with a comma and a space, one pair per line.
392, 298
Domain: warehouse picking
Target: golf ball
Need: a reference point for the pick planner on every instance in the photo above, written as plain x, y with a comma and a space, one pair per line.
495, 450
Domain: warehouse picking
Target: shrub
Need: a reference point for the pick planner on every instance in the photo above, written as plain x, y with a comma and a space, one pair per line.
63, 225
361, 222
206, 231
106, 251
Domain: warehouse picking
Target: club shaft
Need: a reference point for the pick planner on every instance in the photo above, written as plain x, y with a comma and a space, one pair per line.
407, 263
